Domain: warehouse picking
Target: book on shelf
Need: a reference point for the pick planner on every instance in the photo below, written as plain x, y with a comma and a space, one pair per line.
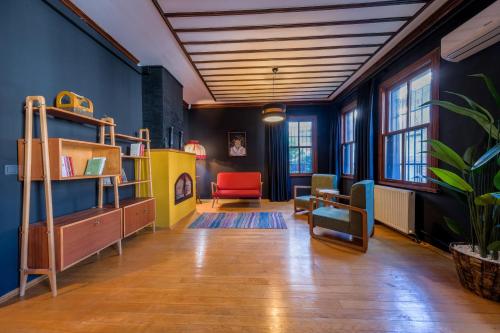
136, 149
95, 166
67, 166
123, 177
107, 181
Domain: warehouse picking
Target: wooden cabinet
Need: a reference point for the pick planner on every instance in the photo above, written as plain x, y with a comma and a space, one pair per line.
137, 214
77, 236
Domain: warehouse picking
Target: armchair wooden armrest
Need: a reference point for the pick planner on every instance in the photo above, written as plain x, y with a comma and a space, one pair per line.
330, 196
297, 187
364, 216
214, 187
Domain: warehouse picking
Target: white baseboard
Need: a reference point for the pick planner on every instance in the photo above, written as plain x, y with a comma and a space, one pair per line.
15, 292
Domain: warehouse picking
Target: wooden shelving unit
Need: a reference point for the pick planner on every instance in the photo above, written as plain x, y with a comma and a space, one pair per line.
138, 212
58, 243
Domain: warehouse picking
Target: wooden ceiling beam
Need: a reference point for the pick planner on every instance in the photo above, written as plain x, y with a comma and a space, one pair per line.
344, 77
288, 58
312, 48
286, 39
283, 89
284, 73
284, 66
276, 84
293, 9
294, 25
326, 91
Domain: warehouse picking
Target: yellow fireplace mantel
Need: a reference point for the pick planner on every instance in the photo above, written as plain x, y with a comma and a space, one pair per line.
167, 165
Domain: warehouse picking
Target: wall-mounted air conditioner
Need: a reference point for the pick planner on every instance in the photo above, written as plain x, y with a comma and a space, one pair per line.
478, 33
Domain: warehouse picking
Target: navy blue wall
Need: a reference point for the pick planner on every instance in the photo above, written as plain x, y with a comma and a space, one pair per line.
42, 53
210, 127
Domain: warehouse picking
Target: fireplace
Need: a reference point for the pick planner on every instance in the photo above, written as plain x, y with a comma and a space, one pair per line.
183, 188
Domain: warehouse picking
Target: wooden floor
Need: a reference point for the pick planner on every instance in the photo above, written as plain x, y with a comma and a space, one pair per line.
198, 280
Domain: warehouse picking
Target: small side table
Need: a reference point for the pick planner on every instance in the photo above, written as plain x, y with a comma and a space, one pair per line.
325, 192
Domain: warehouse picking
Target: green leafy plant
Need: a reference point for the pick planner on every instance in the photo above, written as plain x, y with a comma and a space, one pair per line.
476, 181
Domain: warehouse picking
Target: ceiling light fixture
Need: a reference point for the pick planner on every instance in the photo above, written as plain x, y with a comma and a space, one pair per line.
274, 112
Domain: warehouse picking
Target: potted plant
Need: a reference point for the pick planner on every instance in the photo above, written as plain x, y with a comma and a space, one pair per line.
476, 182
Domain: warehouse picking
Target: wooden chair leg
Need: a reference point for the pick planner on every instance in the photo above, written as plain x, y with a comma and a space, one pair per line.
213, 202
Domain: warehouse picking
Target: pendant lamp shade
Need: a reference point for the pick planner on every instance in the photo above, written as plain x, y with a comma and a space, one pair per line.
274, 112
194, 147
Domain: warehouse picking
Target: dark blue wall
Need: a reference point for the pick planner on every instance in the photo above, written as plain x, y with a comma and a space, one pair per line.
42, 53
210, 127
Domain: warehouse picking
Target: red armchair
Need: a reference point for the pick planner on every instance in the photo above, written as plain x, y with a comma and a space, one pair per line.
237, 185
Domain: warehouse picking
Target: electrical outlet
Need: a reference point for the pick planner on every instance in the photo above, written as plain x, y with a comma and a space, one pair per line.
10, 170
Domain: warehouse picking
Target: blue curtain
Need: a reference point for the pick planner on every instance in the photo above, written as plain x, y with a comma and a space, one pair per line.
335, 148
364, 132
277, 162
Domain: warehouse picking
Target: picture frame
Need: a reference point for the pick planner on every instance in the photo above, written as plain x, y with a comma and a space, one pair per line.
237, 144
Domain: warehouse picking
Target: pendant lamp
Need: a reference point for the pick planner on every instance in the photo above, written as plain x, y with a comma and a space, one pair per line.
274, 112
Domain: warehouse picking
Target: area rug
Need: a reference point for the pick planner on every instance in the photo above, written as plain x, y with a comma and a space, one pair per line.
261, 220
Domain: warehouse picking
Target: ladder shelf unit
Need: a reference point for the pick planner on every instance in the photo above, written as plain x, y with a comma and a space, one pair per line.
53, 245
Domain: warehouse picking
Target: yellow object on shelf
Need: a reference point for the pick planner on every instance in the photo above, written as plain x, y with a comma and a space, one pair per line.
70, 101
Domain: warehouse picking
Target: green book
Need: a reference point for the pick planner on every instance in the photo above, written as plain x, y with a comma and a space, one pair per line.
95, 166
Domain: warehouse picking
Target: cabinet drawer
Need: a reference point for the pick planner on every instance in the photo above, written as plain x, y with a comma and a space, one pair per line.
81, 239
137, 216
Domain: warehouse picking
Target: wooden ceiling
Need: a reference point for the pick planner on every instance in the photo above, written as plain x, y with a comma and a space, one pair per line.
316, 44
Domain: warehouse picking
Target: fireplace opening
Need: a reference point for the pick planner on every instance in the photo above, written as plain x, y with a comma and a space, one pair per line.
183, 188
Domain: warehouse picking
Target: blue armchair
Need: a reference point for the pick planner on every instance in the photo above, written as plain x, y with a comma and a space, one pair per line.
355, 218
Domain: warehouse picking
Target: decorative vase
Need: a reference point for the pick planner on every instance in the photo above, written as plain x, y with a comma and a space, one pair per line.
480, 275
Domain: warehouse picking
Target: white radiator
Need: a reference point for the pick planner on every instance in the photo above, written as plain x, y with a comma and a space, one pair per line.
395, 208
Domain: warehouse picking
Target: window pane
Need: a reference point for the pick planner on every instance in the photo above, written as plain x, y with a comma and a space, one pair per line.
353, 153
349, 126
306, 160
346, 159
393, 157
293, 133
294, 160
420, 92
398, 107
416, 156
305, 131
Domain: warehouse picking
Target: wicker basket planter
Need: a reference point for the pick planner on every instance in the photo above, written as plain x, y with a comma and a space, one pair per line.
479, 275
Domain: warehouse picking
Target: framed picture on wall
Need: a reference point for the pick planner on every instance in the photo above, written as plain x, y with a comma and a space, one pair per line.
237, 144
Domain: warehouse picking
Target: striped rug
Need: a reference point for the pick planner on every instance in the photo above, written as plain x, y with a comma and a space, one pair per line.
261, 220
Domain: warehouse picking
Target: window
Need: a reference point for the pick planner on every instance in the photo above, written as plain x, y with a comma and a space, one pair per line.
406, 124
302, 145
348, 145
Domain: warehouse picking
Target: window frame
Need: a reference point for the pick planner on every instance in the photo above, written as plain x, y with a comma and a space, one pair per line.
313, 120
351, 107
429, 61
